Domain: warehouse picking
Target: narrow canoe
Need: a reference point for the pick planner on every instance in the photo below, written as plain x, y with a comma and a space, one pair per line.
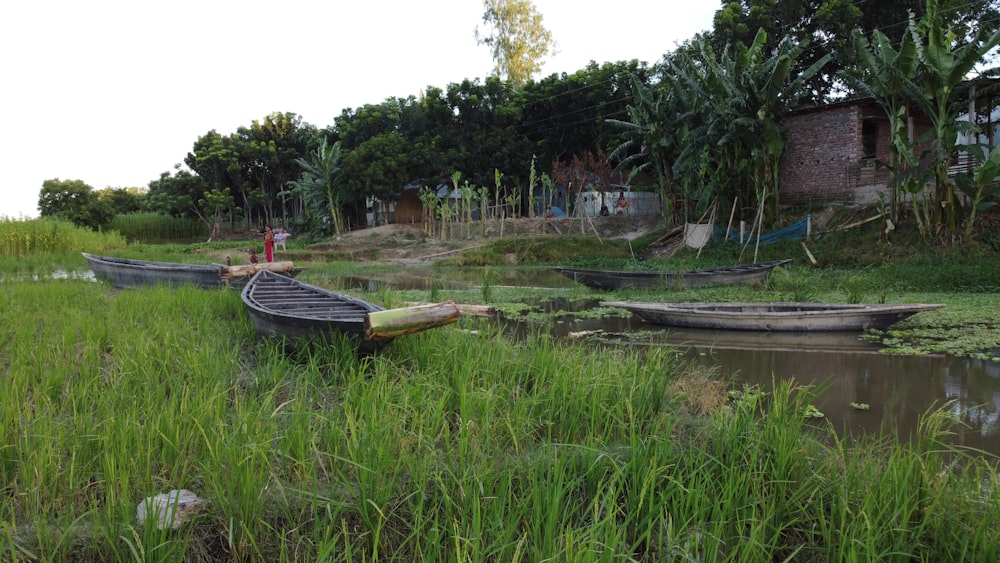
804, 317
127, 273
283, 307
681, 279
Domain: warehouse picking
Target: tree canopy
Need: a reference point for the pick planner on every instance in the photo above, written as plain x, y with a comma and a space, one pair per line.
702, 124
828, 26
517, 39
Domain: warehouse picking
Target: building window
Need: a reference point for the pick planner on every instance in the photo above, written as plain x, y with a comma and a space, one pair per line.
869, 137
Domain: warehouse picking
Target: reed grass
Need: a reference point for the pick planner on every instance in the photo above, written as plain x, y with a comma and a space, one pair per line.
157, 227
460, 443
24, 237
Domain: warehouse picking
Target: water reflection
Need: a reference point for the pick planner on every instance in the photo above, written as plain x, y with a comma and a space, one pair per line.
898, 389
85, 275
843, 367
847, 369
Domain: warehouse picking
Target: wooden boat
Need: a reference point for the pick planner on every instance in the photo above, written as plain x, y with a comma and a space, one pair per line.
129, 273
804, 317
681, 279
283, 307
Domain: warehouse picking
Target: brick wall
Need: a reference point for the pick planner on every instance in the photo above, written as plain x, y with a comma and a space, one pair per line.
824, 160
823, 146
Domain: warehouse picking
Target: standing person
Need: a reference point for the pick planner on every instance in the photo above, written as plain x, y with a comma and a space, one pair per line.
268, 243
280, 237
622, 203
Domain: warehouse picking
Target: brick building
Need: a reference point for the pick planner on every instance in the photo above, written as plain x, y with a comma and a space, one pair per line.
832, 151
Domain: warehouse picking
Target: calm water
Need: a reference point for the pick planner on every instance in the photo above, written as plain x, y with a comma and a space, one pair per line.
898, 389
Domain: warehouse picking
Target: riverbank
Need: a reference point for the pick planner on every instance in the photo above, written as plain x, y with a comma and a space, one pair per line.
467, 442
460, 443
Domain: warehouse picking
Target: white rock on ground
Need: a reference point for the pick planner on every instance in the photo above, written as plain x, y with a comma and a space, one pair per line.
171, 509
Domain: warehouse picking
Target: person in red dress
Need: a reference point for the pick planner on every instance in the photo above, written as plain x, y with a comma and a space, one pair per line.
268, 243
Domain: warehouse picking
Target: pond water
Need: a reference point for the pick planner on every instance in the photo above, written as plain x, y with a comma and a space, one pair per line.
841, 367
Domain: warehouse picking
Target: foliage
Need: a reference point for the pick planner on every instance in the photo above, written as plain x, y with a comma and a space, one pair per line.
74, 201
933, 61
944, 61
121, 200
157, 227
252, 165
517, 38
886, 76
980, 184
567, 115
47, 235
835, 21
710, 130
519, 448
318, 187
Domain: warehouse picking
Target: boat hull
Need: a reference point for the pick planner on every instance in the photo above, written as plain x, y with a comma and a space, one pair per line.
801, 317
683, 279
128, 274
285, 308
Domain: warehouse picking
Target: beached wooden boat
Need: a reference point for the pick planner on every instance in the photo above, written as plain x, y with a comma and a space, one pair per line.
129, 273
283, 307
805, 317
680, 279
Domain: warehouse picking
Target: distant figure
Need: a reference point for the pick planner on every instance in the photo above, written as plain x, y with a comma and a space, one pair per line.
604, 210
268, 243
280, 237
229, 260
253, 256
622, 203
555, 212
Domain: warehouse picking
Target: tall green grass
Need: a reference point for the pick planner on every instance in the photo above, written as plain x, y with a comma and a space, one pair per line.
25, 237
157, 227
459, 443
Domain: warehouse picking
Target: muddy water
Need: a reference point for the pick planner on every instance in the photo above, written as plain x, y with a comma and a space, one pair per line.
842, 368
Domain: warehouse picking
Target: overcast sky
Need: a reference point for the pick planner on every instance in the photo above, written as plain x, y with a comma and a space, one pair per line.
116, 92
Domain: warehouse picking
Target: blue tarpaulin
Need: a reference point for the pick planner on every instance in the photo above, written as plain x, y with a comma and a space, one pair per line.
796, 231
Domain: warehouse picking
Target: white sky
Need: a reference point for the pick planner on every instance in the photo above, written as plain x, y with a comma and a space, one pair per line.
116, 92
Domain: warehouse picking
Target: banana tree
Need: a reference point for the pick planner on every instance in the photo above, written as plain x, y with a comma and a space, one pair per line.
944, 62
886, 75
318, 185
980, 184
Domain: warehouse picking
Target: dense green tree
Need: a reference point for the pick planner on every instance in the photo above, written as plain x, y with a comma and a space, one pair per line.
184, 194
268, 153
486, 127
216, 160
255, 163
120, 201
517, 38
568, 115
74, 201
828, 25
378, 168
